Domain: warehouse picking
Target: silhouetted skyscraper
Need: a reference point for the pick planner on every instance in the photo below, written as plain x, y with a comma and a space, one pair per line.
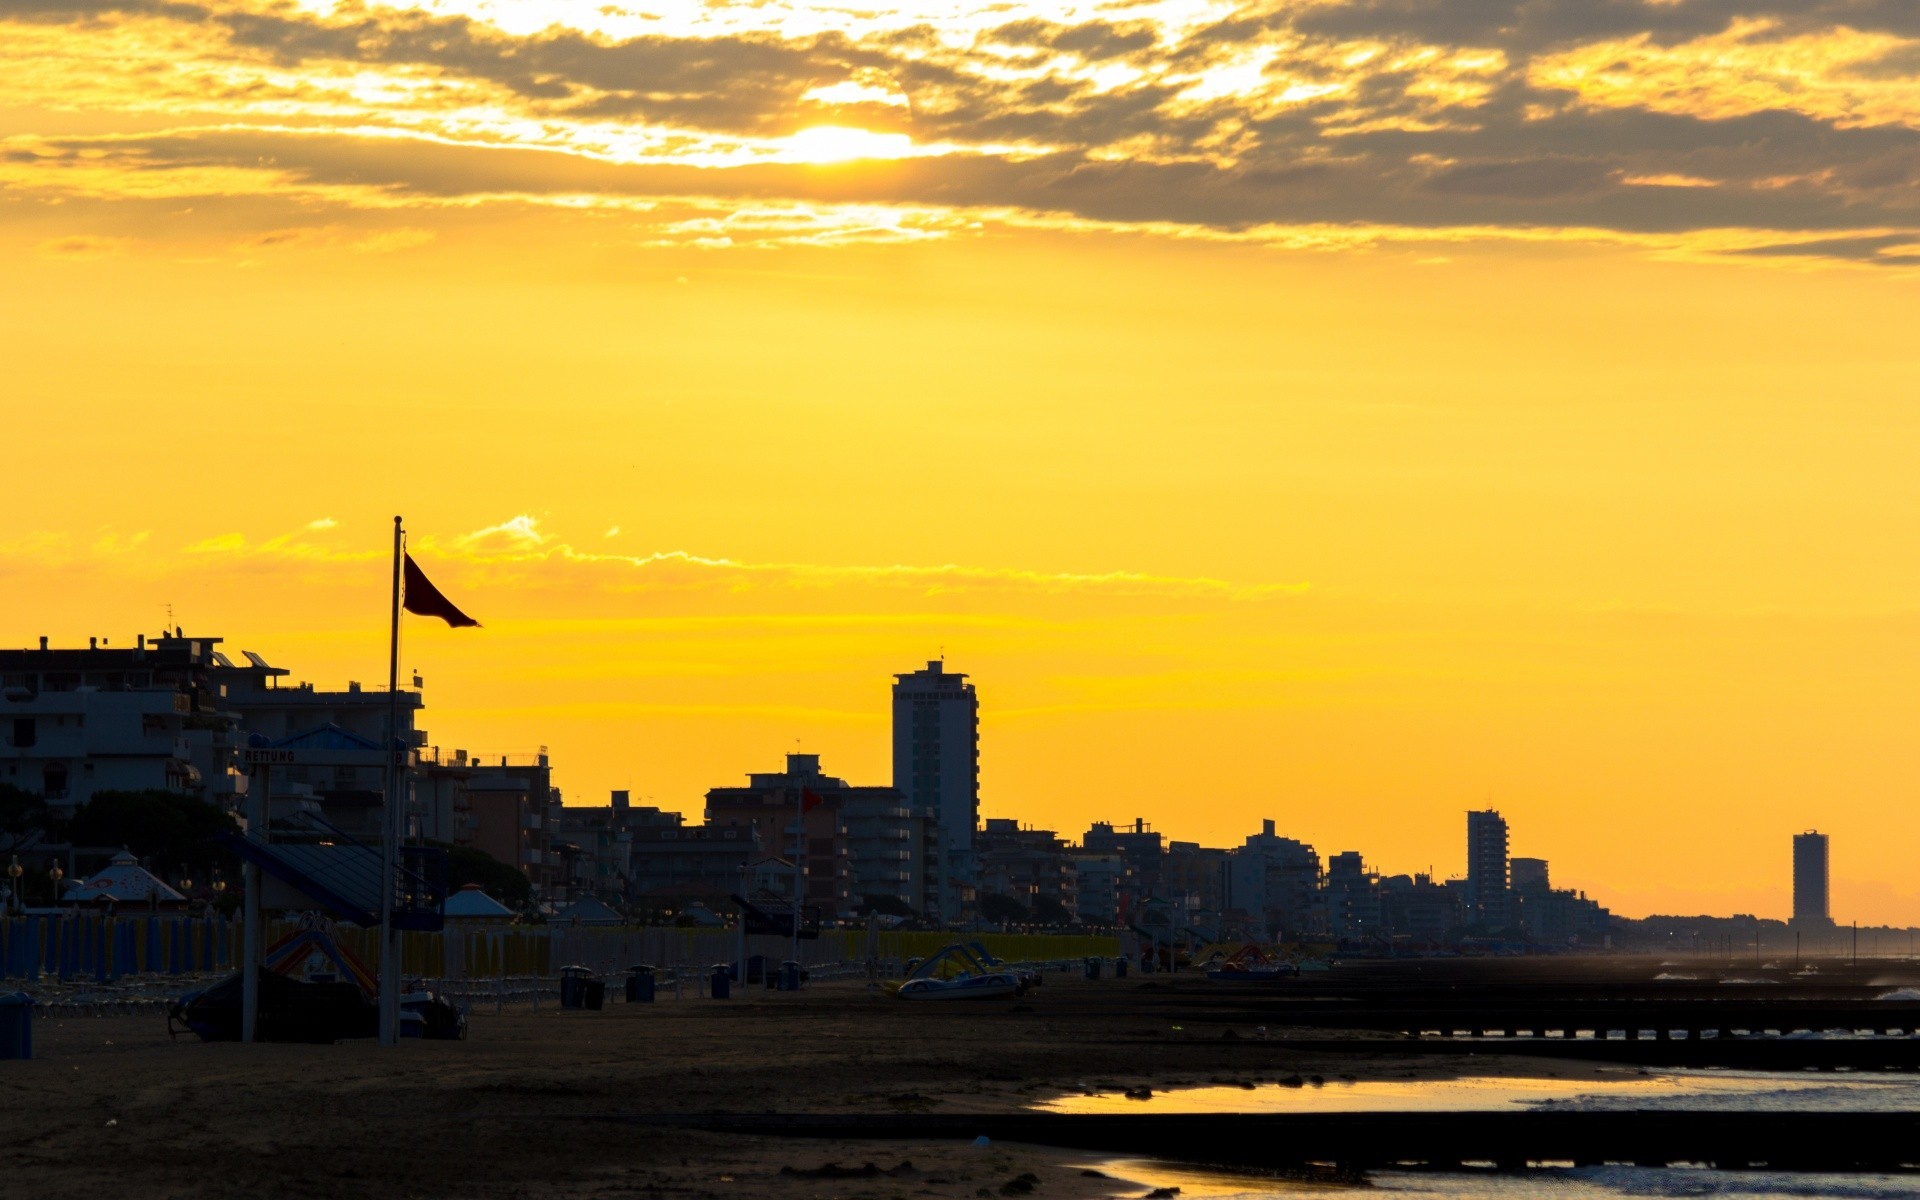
1810, 880
936, 765
1487, 868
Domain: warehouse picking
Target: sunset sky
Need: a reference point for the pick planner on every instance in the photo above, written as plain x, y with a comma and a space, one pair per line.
1347, 412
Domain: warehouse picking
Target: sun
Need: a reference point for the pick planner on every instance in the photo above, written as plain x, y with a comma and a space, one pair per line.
841, 143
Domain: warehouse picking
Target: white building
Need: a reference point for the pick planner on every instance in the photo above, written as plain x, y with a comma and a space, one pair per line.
936, 766
131, 718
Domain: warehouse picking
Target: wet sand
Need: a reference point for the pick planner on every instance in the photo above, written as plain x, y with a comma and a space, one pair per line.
538, 1105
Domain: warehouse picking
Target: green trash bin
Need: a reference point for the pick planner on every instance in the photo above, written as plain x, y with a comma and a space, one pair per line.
573, 986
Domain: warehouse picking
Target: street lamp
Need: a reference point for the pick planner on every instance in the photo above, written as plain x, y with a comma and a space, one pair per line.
53, 875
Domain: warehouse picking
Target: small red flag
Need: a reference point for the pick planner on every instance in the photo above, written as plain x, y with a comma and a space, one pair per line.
424, 600
810, 800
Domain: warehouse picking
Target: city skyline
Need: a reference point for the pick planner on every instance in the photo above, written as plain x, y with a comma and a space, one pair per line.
934, 714
1361, 411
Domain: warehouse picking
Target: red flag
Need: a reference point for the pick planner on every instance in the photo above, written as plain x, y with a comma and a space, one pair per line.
424, 600
810, 800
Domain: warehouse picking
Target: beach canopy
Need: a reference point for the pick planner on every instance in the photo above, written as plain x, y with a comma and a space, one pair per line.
125, 881
471, 903
589, 910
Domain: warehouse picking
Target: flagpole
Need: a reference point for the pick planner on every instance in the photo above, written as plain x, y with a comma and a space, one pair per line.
390, 840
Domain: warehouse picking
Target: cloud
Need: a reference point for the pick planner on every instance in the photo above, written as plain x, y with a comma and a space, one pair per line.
84, 246
1211, 119
520, 549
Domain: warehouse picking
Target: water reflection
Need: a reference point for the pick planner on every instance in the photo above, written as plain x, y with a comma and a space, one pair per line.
1482, 1093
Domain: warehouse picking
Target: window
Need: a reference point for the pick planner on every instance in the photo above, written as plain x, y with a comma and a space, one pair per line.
24, 733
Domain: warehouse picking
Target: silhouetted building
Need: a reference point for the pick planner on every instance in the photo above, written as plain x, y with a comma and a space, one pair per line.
1031, 866
1527, 876
1487, 869
1106, 885
1810, 907
671, 864
1137, 843
503, 805
1418, 910
127, 718
1353, 898
1202, 874
1276, 881
936, 767
858, 841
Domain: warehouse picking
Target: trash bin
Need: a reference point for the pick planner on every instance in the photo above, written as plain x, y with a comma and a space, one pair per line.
573, 986
721, 985
1093, 967
1120, 967
16, 1026
594, 994
640, 983
1146, 963
790, 976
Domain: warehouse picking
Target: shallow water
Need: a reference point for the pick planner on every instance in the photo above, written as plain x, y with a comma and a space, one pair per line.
1626, 1088
1722, 1091
1585, 1183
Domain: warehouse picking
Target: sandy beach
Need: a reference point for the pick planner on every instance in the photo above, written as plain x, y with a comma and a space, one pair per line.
542, 1104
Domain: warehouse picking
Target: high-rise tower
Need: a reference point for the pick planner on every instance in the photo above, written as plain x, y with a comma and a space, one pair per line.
1487, 868
936, 766
1810, 880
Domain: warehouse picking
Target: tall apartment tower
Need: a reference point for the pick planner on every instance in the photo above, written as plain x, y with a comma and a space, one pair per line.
936, 766
1810, 880
1487, 868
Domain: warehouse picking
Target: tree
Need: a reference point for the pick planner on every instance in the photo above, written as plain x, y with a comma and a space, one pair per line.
21, 813
1002, 909
884, 904
168, 830
506, 884
1050, 911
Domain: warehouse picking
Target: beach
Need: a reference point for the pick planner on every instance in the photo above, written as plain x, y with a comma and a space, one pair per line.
548, 1104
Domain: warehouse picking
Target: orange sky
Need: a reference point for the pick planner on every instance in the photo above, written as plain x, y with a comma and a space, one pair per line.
1301, 410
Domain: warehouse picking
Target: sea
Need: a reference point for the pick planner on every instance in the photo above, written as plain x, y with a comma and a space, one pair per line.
1628, 1088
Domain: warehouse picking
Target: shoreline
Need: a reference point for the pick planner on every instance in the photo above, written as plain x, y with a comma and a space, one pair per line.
521, 1108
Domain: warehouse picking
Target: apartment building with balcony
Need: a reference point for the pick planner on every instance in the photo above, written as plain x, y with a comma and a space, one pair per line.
672, 864
1032, 866
1105, 887
854, 843
504, 805
143, 716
